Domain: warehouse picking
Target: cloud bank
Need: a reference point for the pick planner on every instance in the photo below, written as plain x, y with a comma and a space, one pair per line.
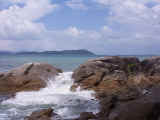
131, 27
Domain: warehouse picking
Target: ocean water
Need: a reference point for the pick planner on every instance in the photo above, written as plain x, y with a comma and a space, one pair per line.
57, 94
67, 63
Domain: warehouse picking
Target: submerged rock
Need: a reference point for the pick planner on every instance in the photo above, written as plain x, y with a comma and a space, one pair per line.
29, 77
44, 114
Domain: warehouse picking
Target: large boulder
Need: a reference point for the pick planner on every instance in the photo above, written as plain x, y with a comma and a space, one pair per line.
29, 77
106, 74
114, 75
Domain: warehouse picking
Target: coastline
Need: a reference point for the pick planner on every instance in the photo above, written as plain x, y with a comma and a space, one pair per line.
131, 81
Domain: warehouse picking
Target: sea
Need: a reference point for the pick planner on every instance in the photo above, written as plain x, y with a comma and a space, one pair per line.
67, 104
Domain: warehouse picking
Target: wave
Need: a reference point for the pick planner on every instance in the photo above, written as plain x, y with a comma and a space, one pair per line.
57, 94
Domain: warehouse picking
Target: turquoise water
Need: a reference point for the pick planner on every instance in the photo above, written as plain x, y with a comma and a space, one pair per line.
67, 63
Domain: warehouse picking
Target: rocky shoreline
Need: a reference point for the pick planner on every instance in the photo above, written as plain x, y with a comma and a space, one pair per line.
127, 88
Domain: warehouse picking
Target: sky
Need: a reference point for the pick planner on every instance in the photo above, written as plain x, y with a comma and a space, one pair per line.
102, 26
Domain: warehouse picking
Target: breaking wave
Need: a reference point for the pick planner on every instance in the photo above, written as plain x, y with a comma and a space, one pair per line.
57, 95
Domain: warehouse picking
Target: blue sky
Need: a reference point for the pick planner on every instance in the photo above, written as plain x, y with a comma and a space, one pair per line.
93, 17
102, 26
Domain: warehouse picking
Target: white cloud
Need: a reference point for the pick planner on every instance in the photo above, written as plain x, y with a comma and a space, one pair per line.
32, 9
76, 4
133, 26
19, 22
132, 11
20, 31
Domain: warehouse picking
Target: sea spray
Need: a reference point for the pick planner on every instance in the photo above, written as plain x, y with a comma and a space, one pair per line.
58, 95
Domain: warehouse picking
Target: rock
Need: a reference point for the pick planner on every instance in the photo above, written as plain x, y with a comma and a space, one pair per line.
1, 75
145, 108
44, 114
87, 116
115, 75
29, 77
107, 104
151, 66
128, 89
106, 74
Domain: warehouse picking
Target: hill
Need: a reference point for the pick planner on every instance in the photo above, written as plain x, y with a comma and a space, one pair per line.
63, 52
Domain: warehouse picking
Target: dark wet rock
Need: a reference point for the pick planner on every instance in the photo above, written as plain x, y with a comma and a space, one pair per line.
1, 75
29, 77
107, 104
44, 114
87, 116
145, 108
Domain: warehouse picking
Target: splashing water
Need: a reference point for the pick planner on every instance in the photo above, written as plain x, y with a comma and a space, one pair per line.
57, 95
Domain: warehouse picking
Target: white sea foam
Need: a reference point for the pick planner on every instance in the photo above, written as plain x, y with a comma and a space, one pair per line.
58, 90
57, 93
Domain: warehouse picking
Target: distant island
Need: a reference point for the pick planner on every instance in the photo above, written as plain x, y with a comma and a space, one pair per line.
5, 53
63, 52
